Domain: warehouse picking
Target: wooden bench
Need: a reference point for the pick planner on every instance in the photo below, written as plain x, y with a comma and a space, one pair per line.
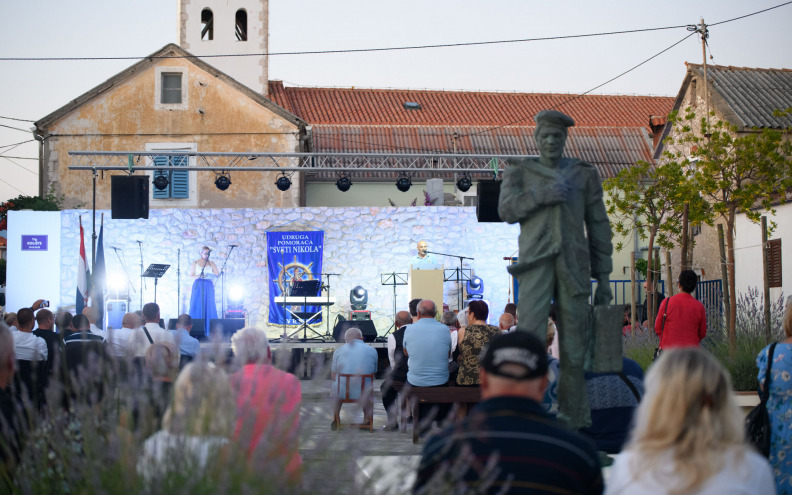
463, 397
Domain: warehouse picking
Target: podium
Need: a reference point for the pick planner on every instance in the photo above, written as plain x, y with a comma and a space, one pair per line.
426, 284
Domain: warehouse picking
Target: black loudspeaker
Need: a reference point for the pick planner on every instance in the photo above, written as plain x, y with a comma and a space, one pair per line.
487, 194
366, 327
129, 196
225, 325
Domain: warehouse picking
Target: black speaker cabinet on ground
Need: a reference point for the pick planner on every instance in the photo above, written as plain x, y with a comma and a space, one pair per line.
487, 194
366, 327
227, 325
129, 196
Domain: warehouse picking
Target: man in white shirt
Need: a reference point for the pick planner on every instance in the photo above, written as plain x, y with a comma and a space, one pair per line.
118, 338
27, 346
141, 338
188, 345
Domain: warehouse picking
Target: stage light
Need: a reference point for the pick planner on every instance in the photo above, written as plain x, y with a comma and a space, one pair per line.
283, 183
223, 180
464, 183
161, 182
358, 298
235, 294
343, 183
475, 288
403, 183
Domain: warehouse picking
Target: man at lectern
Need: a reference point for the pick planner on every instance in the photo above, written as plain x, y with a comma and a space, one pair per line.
424, 260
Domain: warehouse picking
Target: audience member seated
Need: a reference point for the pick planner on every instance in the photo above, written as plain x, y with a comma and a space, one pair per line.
46, 324
63, 322
196, 427
118, 338
427, 345
87, 361
413, 307
613, 398
358, 358
472, 340
689, 434
506, 322
398, 369
141, 338
511, 309
93, 316
162, 363
12, 425
550, 401
27, 346
189, 347
507, 444
268, 406
450, 320
11, 320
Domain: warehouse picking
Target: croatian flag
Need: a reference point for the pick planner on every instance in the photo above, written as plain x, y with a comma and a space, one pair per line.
82, 276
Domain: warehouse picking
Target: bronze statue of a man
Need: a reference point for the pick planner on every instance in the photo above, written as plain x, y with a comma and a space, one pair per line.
565, 236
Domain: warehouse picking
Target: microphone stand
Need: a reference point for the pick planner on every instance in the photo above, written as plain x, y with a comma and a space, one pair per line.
203, 295
459, 274
327, 289
178, 281
140, 247
222, 282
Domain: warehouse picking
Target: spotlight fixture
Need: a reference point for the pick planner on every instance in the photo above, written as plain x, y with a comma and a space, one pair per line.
464, 183
283, 183
358, 298
403, 183
223, 180
161, 182
475, 288
343, 183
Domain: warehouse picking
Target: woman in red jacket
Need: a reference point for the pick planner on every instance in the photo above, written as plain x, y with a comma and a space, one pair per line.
685, 319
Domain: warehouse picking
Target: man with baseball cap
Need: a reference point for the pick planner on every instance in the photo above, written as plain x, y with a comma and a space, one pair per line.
508, 444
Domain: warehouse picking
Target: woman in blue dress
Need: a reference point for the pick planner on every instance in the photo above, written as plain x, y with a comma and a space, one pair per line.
202, 300
779, 405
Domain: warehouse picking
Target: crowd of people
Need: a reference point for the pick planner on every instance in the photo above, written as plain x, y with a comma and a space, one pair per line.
677, 431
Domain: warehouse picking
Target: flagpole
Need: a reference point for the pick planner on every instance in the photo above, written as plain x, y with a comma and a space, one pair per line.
93, 233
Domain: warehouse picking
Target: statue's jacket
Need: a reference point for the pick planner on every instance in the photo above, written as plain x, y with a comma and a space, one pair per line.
550, 231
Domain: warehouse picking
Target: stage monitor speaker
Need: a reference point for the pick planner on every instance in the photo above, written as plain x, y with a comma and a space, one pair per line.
129, 196
487, 194
197, 331
366, 327
115, 309
225, 325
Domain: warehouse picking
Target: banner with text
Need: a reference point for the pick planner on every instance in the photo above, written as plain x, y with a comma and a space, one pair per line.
292, 256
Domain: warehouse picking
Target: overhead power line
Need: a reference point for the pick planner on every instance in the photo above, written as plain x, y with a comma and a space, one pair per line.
19, 120
749, 15
351, 50
18, 157
13, 145
14, 128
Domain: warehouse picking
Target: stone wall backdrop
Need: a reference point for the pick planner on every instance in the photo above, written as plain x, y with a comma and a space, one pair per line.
360, 243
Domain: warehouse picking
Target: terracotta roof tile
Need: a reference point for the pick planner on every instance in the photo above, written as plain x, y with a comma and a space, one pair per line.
351, 106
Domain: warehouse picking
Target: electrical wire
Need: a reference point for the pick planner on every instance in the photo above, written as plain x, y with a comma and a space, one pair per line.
350, 50
14, 128
14, 145
12, 118
11, 185
749, 15
18, 157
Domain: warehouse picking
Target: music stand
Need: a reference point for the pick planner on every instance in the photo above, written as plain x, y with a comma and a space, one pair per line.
155, 271
393, 279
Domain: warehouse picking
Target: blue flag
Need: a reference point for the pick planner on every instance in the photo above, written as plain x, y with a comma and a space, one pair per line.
98, 285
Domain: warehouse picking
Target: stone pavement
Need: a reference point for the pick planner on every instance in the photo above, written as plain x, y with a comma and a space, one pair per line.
335, 461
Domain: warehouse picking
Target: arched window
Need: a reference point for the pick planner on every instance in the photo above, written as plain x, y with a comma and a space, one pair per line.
207, 25
241, 25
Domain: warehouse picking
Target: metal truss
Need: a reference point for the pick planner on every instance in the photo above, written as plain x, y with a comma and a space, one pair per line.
411, 164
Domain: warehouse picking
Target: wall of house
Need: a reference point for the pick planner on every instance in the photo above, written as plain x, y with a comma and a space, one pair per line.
253, 72
749, 271
215, 117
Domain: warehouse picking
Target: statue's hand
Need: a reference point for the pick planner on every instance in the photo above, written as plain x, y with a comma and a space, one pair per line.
557, 193
603, 294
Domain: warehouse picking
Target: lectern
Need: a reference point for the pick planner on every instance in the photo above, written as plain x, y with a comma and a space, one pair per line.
427, 284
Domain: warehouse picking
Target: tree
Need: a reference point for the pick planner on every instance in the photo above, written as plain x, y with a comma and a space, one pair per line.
50, 202
735, 173
647, 201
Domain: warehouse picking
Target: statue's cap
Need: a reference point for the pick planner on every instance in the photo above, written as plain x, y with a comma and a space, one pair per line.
553, 117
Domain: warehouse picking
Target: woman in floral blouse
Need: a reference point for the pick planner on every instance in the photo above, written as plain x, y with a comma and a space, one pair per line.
470, 342
779, 405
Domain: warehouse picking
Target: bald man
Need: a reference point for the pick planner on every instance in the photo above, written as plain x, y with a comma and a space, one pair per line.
118, 338
46, 330
424, 259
